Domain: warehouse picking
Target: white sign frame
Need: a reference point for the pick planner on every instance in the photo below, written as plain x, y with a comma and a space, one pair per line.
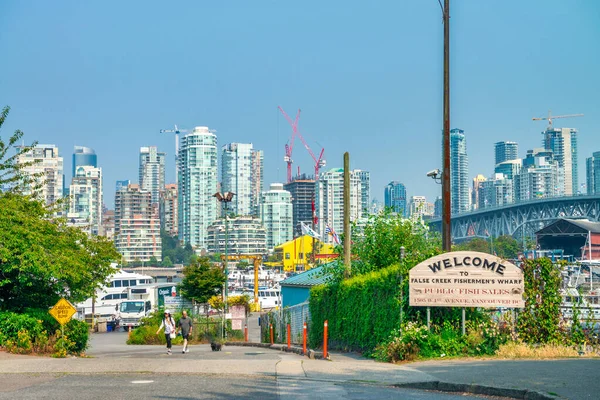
466, 279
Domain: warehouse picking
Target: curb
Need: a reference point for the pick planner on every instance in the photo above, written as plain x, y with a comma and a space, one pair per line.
477, 389
316, 355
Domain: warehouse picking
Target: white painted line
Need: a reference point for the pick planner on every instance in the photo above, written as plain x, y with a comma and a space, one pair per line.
142, 381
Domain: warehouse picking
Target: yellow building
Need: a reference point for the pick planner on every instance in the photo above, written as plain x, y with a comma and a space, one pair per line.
296, 254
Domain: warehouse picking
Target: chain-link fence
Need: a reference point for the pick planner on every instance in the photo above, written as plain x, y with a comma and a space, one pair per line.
295, 316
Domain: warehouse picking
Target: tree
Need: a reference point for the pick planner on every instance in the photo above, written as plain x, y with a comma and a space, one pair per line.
171, 247
379, 243
507, 247
153, 261
166, 262
475, 244
43, 259
201, 280
12, 177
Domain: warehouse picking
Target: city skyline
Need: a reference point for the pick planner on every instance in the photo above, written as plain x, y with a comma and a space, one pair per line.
138, 89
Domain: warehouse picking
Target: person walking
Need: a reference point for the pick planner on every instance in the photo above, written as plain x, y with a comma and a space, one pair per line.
169, 324
185, 327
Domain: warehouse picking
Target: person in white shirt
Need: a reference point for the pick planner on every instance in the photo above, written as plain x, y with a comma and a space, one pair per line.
169, 324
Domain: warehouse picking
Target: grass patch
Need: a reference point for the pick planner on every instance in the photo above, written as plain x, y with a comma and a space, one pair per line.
522, 350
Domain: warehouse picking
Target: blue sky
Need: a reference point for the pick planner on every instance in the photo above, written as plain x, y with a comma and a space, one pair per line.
367, 76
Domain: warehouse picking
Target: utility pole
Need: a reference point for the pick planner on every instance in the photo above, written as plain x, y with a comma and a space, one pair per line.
446, 213
347, 241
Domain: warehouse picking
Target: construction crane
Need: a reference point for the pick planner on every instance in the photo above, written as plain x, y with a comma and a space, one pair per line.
289, 147
319, 162
176, 131
550, 117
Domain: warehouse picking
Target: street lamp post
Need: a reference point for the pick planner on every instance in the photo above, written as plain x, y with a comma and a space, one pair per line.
225, 199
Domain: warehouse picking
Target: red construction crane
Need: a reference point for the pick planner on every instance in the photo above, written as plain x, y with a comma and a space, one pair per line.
289, 147
319, 162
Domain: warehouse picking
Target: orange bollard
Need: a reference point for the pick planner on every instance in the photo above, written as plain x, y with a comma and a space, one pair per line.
289, 335
271, 329
129, 333
325, 340
304, 339
246, 333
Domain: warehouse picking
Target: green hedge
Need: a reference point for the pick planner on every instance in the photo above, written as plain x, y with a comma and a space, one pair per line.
361, 311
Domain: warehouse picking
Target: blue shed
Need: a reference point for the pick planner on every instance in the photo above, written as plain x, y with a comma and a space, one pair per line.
296, 289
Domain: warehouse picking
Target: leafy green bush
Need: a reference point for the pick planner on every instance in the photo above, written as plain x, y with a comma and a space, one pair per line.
24, 333
415, 341
78, 333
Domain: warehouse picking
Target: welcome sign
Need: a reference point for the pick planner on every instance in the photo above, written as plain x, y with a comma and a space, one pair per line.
466, 279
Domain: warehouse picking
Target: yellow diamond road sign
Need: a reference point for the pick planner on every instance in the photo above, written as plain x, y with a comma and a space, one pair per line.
62, 311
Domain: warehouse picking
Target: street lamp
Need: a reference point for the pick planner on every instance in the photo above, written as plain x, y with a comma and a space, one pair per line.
225, 199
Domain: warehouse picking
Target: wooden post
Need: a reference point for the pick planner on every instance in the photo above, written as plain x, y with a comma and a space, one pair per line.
463, 321
289, 336
304, 338
246, 332
347, 242
271, 332
325, 340
428, 318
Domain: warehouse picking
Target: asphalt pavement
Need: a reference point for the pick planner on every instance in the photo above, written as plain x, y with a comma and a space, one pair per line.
116, 370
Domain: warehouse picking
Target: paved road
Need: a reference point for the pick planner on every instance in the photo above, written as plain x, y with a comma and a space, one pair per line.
117, 371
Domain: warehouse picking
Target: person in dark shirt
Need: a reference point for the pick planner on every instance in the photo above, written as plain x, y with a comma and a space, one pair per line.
185, 327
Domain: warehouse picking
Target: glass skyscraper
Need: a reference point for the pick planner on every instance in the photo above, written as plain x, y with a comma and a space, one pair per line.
277, 216
152, 171
241, 173
197, 184
395, 198
83, 156
459, 171
506, 151
563, 143
593, 173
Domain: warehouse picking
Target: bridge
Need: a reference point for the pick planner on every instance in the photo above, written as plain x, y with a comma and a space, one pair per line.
520, 220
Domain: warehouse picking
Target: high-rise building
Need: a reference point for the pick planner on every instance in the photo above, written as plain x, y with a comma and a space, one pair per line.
107, 228
46, 163
365, 190
506, 151
168, 209
241, 173
277, 216
329, 200
459, 172
137, 229
437, 207
256, 169
243, 235
419, 208
563, 144
84, 156
540, 176
152, 171
477, 181
395, 198
496, 191
121, 184
85, 206
197, 184
302, 189
593, 173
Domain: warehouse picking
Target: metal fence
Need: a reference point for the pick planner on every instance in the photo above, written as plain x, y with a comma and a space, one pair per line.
295, 316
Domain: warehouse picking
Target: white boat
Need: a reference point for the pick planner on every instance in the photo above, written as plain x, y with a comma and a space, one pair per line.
107, 297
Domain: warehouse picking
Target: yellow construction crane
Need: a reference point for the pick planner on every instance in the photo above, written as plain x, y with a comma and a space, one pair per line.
257, 261
550, 117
